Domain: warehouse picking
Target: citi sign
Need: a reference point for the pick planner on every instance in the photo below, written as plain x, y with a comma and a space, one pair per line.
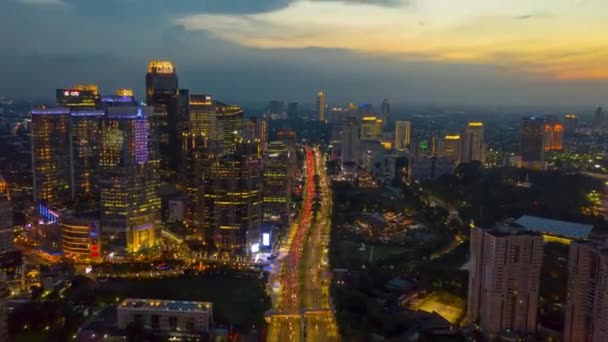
71, 93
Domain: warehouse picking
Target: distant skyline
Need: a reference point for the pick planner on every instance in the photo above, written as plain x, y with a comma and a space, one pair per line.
477, 52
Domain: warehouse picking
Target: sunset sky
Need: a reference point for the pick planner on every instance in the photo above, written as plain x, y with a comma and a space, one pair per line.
461, 51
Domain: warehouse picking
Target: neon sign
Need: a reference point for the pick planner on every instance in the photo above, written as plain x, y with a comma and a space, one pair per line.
71, 93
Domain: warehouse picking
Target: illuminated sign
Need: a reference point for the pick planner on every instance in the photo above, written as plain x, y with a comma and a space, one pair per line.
71, 93
49, 214
255, 248
77, 97
124, 92
266, 239
161, 67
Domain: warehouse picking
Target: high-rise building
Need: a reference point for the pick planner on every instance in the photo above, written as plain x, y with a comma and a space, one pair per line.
474, 145
130, 207
371, 127
85, 106
452, 144
51, 156
6, 218
277, 183
231, 117
276, 109
321, 106
162, 94
385, 110
504, 279
256, 130
351, 142
292, 110
570, 124
587, 303
555, 132
231, 200
534, 139
599, 119
403, 135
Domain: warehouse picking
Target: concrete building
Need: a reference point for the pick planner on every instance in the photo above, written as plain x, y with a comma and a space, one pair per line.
570, 124
403, 135
80, 237
51, 156
431, 168
6, 218
474, 145
277, 183
587, 303
534, 142
166, 315
321, 106
130, 206
231, 200
351, 142
504, 280
452, 148
371, 127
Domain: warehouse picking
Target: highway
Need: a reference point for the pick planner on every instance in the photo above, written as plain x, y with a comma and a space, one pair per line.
302, 308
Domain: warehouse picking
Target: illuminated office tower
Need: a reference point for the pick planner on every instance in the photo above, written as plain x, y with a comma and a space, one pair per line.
452, 145
51, 156
256, 130
231, 201
231, 117
80, 237
277, 183
534, 139
84, 103
587, 303
403, 135
321, 106
504, 280
385, 111
474, 145
162, 94
570, 124
351, 142
556, 137
371, 127
130, 207
6, 218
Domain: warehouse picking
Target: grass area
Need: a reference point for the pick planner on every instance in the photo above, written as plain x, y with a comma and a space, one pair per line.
238, 300
447, 305
348, 252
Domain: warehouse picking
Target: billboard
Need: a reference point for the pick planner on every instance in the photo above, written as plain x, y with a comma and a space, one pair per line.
77, 98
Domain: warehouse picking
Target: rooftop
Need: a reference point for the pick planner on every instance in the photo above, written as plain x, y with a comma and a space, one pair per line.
170, 305
570, 230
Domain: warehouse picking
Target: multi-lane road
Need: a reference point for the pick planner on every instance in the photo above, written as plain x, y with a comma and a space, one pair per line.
302, 307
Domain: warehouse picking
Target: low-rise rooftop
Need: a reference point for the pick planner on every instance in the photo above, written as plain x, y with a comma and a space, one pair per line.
565, 229
170, 305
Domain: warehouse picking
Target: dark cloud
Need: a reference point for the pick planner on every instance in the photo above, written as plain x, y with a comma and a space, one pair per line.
531, 16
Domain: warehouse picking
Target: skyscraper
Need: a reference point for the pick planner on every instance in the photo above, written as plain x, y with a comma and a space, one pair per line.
321, 106
51, 156
231, 200
385, 110
130, 207
570, 124
161, 92
6, 218
403, 134
599, 119
452, 148
351, 142
277, 183
587, 303
84, 102
371, 127
231, 117
276, 109
534, 139
504, 280
474, 145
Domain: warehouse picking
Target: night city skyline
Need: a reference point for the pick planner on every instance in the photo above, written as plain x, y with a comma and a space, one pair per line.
436, 52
